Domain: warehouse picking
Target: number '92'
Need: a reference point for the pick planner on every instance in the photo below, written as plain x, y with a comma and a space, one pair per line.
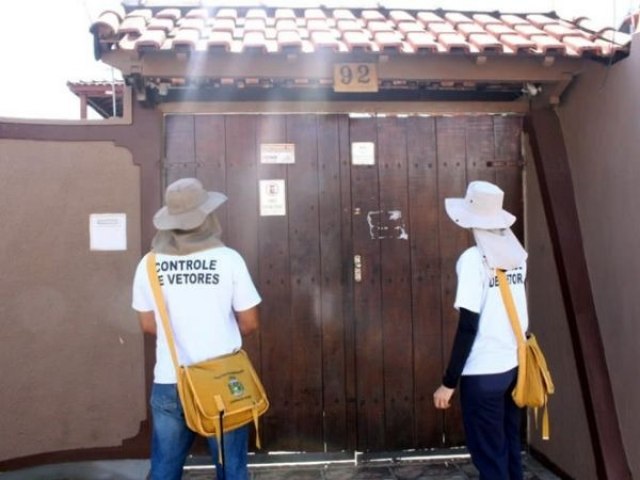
355, 73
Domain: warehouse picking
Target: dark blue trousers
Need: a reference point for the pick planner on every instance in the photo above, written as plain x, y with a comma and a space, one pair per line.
492, 424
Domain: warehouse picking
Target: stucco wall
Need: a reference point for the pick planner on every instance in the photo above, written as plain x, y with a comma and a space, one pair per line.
569, 446
599, 116
70, 347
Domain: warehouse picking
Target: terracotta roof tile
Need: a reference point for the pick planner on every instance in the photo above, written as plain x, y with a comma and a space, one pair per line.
197, 13
170, 13
546, 44
151, 40
315, 26
186, 39
373, 16
468, 28
220, 41
485, 19
380, 26
517, 42
453, 41
456, 18
285, 13
163, 24
429, 17
486, 42
400, 16
327, 40
318, 24
230, 13
133, 25
107, 25
540, 20
424, 42
357, 41
314, 14
512, 20
581, 44
223, 25
440, 28
388, 40
500, 29
407, 27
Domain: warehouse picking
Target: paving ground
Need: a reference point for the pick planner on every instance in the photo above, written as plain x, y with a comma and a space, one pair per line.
459, 468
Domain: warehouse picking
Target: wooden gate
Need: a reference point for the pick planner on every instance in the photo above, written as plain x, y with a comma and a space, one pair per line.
358, 275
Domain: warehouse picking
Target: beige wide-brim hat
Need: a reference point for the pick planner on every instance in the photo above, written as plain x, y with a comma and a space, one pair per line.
480, 208
187, 204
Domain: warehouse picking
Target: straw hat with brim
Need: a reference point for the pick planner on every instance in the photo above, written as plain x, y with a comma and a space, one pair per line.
480, 208
187, 204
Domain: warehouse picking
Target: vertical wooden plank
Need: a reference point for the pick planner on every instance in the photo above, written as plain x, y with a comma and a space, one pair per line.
210, 149
507, 135
180, 158
480, 149
346, 255
241, 226
425, 210
332, 310
304, 254
453, 241
393, 220
367, 301
274, 280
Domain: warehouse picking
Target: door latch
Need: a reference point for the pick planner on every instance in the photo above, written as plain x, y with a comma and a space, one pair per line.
357, 268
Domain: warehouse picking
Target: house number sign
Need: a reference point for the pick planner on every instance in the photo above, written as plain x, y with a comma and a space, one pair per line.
355, 77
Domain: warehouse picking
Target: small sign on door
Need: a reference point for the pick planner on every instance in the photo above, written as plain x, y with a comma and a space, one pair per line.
273, 198
277, 153
363, 153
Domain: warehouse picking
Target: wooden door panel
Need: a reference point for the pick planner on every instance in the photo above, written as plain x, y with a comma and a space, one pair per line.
424, 212
367, 302
274, 283
351, 364
395, 291
452, 180
304, 255
333, 314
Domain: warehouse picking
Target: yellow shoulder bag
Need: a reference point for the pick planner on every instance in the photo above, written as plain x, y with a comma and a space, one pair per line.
534, 384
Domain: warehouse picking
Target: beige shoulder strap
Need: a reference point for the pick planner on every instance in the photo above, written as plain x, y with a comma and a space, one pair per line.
162, 308
509, 304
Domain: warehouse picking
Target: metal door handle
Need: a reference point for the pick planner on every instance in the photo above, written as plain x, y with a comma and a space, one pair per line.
357, 268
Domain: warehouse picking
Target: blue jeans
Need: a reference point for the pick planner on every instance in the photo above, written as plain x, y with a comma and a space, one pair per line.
492, 424
172, 439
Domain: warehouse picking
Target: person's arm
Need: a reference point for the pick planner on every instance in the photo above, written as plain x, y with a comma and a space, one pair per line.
248, 321
147, 322
465, 336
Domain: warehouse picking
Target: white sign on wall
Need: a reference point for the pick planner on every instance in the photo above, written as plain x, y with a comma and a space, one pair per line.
363, 153
277, 153
273, 199
108, 231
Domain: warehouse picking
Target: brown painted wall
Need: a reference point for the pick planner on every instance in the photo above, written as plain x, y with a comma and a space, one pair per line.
599, 122
70, 347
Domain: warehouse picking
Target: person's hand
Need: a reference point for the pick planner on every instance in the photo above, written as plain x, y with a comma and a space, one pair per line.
442, 397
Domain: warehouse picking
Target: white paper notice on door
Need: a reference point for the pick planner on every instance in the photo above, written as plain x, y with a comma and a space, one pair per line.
108, 231
277, 153
363, 153
273, 198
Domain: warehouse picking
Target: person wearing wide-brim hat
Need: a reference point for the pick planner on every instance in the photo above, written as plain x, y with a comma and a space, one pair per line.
484, 354
212, 303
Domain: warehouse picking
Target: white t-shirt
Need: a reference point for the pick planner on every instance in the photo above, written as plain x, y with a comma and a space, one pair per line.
201, 291
495, 348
